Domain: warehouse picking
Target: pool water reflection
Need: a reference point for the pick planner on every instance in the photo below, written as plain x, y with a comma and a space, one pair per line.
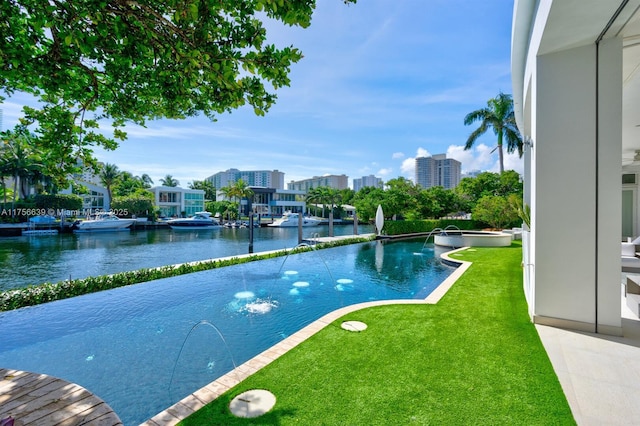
140, 348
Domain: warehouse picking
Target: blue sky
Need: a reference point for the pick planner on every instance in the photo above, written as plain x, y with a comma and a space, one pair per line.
382, 81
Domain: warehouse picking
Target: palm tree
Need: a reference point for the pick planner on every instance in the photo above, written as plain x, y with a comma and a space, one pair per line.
168, 180
127, 184
237, 190
108, 177
4, 170
241, 190
314, 196
146, 181
332, 197
206, 186
498, 115
20, 161
328, 197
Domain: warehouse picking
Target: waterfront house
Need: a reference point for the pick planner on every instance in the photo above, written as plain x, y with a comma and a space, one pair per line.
176, 201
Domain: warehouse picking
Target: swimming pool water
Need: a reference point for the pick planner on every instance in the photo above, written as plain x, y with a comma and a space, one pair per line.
142, 348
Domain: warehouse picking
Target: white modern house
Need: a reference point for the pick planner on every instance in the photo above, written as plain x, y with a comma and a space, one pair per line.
576, 91
176, 201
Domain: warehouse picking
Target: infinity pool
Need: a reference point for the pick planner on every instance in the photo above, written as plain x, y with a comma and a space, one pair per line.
144, 347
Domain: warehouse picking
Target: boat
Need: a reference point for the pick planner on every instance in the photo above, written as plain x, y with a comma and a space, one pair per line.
200, 220
291, 219
103, 221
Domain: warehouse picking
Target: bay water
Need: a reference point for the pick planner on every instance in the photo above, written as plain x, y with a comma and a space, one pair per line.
33, 260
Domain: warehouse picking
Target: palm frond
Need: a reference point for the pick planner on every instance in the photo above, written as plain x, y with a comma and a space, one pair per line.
477, 115
475, 135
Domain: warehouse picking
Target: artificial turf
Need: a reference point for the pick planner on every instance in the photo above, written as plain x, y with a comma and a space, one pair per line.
473, 358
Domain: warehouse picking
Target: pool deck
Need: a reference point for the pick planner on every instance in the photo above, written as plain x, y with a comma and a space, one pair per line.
599, 374
38, 399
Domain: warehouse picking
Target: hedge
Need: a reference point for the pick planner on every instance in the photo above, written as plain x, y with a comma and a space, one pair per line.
48, 292
398, 227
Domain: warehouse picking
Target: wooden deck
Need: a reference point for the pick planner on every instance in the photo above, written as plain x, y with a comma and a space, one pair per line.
38, 399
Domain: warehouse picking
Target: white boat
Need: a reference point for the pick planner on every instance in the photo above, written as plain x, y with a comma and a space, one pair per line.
200, 220
291, 219
103, 221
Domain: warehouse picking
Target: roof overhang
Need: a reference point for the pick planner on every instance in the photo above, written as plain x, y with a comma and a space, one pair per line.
548, 26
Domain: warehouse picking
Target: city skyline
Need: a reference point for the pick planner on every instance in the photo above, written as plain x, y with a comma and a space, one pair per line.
380, 84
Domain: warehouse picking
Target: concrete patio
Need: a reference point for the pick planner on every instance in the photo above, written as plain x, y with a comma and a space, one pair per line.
600, 374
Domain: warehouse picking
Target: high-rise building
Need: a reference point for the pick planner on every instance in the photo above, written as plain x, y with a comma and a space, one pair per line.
332, 181
472, 174
364, 181
264, 178
437, 170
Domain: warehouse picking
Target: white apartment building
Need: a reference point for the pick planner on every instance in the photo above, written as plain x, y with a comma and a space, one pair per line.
365, 181
332, 181
263, 178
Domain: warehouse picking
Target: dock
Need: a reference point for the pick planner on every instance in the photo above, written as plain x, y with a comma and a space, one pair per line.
31, 398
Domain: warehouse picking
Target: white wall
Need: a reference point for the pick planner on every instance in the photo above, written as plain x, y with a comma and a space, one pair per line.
564, 231
568, 101
576, 190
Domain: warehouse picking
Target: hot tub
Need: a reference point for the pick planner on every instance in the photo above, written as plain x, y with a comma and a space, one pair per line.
473, 239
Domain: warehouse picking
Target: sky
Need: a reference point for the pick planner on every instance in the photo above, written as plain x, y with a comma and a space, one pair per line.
381, 83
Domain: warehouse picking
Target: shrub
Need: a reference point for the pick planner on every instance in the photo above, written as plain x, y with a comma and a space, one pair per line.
496, 211
58, 202
399, 227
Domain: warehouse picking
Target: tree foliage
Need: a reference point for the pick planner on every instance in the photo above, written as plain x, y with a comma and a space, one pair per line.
206, 186
496, 211
21, 160
471, 189
237, 191
366, 202
134, 61
58, 202
170, 181
138, 204
108, 177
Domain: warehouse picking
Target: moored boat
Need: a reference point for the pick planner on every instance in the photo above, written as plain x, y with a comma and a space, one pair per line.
289, 219
200, 220
103, 221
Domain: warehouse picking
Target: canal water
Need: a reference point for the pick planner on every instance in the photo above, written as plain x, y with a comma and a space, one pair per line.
32, 260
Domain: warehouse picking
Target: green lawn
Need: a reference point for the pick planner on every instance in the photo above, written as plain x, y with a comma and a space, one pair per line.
474, 358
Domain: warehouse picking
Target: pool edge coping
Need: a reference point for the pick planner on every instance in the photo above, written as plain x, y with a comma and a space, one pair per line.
198, 399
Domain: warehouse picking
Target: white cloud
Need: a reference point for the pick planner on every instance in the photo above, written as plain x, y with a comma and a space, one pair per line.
479, 157
485, 158
514, 162
384, 172
422, 153
408, 166
397, 155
